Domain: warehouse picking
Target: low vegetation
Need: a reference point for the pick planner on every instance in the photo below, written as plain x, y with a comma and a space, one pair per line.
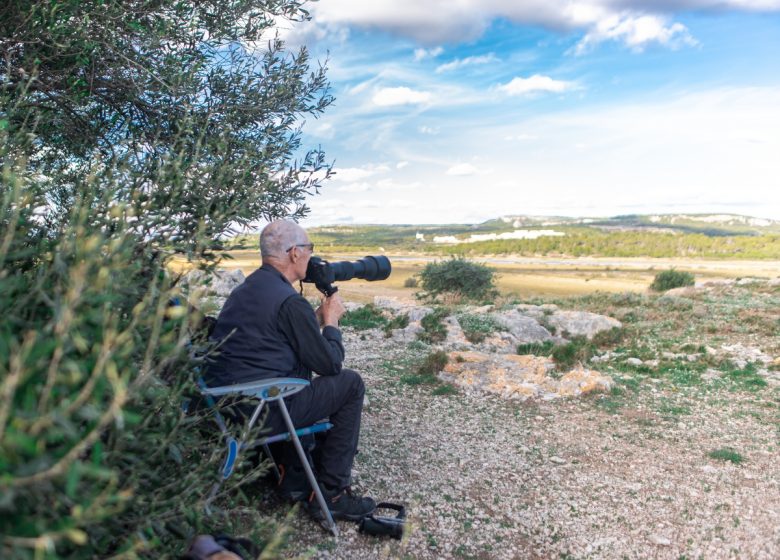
434, 330
670, 279
458, 277
426, 372
478, 326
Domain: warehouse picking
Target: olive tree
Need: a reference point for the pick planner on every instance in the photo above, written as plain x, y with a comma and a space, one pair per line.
131, 132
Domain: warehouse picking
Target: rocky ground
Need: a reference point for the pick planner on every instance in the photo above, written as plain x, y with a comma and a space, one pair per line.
671, 453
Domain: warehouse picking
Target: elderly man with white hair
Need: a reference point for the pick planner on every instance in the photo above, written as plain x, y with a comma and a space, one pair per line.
267, 329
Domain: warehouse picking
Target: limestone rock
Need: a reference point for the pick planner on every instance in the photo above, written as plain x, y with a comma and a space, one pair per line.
389, 303
209, 292
518, 377
580, 381
582, 323
524, 328
417, 313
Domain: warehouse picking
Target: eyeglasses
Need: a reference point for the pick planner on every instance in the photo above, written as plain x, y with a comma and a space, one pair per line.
309, 245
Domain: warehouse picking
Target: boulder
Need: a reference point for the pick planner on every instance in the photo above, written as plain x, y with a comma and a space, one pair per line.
523, 327
519, 377
581, 323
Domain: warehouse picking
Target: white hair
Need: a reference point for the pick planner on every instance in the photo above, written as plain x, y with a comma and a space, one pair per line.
277, 237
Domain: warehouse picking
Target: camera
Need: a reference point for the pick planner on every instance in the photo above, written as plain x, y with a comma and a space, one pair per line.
377, 525
323, 274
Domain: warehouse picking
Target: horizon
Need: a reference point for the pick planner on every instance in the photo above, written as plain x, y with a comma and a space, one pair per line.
461, 113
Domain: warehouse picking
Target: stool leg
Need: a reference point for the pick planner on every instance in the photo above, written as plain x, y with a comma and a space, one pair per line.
306, 467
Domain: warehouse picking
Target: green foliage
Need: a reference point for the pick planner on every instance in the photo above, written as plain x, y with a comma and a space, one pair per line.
726, 454
130, 132
536, 348
744, 378
476, 327
593, 240
577, 350
397, 322
445, 389
433, 329
669, 279
426, 372
364, 318
460, 277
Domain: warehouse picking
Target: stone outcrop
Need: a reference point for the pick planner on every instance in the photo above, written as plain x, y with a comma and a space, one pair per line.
519, 377
211, 290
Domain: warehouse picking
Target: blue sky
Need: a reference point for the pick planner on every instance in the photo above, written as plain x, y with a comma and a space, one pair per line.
458, 112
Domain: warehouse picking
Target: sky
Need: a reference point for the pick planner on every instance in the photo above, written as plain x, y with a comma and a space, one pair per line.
462, 111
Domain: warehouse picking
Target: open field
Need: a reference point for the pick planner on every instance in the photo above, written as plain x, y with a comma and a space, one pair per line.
540, 276
678, 460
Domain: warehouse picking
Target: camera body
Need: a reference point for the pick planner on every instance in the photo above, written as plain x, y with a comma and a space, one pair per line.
323, 274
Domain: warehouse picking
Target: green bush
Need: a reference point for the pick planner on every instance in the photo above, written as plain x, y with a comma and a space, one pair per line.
426, 372
397, 322
433, 329
476, 327
115, 156
364, 318
410, 282
669, 279
536, 348
726, 454
459, 277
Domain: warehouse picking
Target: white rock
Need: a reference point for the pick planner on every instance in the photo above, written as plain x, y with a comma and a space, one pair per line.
582, 323
634, 361
659, 540
557, 460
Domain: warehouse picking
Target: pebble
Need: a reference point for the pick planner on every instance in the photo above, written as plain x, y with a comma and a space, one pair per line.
557, 460
659, 540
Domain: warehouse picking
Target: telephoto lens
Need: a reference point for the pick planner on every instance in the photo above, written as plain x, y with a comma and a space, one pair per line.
368, 268
323, 273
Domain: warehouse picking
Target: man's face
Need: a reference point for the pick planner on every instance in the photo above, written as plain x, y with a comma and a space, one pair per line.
301, 253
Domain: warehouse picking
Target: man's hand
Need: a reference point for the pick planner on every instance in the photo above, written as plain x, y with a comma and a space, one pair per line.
330, 311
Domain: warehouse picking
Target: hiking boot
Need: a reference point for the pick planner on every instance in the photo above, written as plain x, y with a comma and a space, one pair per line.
293, 485
343, 504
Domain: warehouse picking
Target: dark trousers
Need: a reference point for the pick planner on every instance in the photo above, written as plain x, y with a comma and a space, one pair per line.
340, 398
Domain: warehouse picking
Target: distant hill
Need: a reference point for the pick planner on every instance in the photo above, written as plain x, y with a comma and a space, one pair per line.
708, 224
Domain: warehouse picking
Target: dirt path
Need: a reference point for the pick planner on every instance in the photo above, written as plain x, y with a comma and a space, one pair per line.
485, 478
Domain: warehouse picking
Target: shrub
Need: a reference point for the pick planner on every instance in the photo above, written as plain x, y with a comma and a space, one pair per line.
477, 327
433, 329
726, 454
115, 156
397, 322
426, 372
669, 279
410, 282
536, 348
364, 318
458, 276
578, 349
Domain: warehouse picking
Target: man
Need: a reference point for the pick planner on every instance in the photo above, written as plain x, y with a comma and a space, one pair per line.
267, 329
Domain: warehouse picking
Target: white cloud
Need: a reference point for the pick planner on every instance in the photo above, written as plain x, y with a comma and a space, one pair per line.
438, 21
354, 187
432, 130
401, 164
468, 61
388, 97
636, 33
422, 54
462, 170
354, 174
535, 84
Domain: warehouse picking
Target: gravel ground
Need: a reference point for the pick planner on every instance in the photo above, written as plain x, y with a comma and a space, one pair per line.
486, 478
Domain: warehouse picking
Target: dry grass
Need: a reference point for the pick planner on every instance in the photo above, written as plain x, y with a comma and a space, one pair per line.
530, 277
